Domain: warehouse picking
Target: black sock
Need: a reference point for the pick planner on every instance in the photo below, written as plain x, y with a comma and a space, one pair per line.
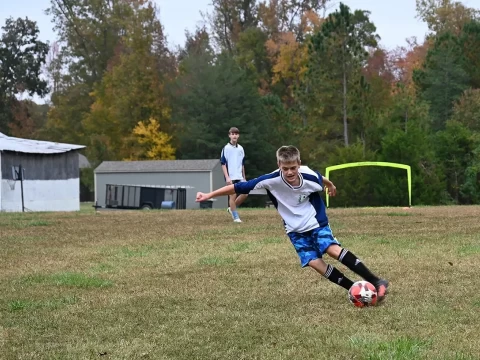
335, 276
356, 265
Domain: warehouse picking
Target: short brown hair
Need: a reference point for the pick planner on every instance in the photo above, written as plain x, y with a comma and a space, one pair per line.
288, 153
234, 130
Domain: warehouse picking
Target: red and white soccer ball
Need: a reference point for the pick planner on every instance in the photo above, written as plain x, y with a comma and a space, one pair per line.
362, 293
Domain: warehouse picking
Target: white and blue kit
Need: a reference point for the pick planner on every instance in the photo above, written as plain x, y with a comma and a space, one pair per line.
301, 208
233, 157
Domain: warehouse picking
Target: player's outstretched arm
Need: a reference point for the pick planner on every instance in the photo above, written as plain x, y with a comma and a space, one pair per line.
226, 190
332, 190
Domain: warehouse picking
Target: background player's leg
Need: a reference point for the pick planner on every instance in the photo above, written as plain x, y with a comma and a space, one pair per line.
233, 208
240, 199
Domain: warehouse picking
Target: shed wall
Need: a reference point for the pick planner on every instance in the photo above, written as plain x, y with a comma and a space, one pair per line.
51, 182
199, 180
62, 166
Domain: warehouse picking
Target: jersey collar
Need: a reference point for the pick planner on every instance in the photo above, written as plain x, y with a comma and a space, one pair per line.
290, 186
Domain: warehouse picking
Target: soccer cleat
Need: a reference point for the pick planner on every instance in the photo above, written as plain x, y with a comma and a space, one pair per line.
382, 289
237, 220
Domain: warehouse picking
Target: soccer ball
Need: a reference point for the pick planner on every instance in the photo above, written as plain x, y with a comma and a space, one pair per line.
362, 293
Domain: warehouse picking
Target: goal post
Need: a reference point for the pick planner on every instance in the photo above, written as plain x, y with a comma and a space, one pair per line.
373, 163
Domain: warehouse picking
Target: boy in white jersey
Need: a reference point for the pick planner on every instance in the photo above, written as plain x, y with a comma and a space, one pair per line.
295, 192
233, 166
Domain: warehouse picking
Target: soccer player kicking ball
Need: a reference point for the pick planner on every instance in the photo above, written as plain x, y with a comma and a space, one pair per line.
295, 192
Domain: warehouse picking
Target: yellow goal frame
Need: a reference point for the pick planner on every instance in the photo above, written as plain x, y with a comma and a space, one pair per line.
373, 163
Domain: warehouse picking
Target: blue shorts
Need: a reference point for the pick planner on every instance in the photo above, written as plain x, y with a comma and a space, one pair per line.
312, 244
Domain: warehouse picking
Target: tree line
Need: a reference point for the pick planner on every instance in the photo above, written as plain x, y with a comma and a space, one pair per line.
283, 71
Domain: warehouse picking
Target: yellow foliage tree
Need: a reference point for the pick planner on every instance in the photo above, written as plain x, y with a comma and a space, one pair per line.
155, 144
131, 93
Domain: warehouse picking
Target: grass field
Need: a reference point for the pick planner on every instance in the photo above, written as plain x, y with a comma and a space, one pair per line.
194, 285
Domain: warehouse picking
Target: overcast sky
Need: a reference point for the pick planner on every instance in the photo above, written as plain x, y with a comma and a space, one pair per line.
395, 19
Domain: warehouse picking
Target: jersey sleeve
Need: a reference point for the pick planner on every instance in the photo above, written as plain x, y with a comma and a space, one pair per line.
313, 176
261, 182
223, 159
320, 178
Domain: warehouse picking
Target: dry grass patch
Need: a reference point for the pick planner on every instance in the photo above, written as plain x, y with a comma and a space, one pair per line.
193, 285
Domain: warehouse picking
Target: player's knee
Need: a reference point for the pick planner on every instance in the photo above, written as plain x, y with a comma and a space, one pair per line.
319, 265
334, 251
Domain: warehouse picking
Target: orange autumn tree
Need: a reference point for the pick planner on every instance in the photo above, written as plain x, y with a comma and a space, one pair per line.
289, 25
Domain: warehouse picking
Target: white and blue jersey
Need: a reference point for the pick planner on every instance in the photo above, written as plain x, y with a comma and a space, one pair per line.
301, 207
233, 157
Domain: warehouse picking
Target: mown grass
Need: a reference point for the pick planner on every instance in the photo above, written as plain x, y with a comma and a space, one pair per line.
194, 285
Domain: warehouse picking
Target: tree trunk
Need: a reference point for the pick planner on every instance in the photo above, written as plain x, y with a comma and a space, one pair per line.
304, 116
406, 119
345, 123
364, 143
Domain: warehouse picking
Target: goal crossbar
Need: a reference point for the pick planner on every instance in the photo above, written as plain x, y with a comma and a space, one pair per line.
373, 163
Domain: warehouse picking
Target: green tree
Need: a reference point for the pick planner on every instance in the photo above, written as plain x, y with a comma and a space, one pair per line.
466, 110
196, 44
131, 92
279, 17
372, 98
414, 148
89, 32
22, 56
442, 78
116, 62
407, 110
69, 107
253, 57
337, 53
444, 16
357, 185
470, 46
458, 148
210, 95
229, 19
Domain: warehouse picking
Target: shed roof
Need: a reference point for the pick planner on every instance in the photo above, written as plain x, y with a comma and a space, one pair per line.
156, 166
8, 143
83, 162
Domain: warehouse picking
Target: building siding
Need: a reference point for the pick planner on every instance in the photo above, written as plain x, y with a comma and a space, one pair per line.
41, 195
51, 182
62, 166
199, 180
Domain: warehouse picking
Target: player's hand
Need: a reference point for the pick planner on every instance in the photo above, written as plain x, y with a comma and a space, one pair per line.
228, 181
201, 197
332, 190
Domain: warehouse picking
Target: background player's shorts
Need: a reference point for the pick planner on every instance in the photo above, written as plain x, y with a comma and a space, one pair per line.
312, 244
